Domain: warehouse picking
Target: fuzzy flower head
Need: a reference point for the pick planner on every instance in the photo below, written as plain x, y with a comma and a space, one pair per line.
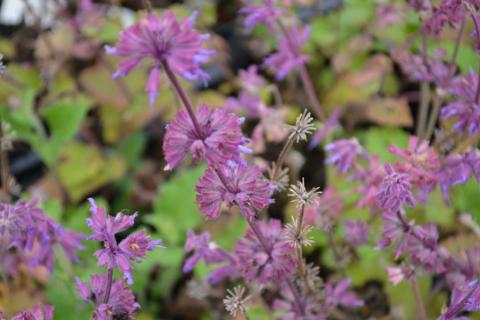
289, 55
220, 138
166, 41
343, 153
303, 127
256, 262
233, 184
395, 190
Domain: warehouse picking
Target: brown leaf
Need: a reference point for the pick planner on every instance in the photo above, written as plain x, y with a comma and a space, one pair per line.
389, 112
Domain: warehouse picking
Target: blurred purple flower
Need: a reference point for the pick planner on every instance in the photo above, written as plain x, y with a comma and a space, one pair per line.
339, 294
166, 41
37, 313
243, 186
289, 55
219, 141
263, 13
27, 228
263, 265
326, 129
395, 190
453, 170
356, 232
121, 302
343, 153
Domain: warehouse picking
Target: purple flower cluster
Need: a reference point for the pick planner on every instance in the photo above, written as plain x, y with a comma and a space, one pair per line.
166, 41
29, 235
112, 299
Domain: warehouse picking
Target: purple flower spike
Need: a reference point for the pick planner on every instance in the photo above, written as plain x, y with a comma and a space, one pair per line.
343, 153
164, 40
219, 141
289, 55
395, 190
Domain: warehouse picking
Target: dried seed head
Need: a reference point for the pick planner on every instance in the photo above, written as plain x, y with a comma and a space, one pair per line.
303, 127
281, 181
301, 196
296, 235
235, 301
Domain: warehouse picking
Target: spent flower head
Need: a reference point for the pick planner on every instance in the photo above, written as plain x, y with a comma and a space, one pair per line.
301, 196
298, 236
303, 127
235, 301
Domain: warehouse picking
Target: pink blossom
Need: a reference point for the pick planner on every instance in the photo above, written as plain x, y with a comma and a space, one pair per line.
263, 13
289, 55
343, 153
395, 190
219, 141
243, 186
166, 41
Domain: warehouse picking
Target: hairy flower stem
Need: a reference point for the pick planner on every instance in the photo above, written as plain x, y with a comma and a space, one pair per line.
425, 96
299, 251
437, 103
281, 158
422, 315
458, 41
306, 81
183, 96
5, 168
108, 288
268, 249
437, 99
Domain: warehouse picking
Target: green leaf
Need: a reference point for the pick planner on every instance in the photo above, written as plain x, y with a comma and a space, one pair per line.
175, 209
371, 264
377, 140
84, 168
132, 148
465, 198
64, 120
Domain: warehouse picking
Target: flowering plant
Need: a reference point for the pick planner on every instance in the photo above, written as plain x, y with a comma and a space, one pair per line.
334, 178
